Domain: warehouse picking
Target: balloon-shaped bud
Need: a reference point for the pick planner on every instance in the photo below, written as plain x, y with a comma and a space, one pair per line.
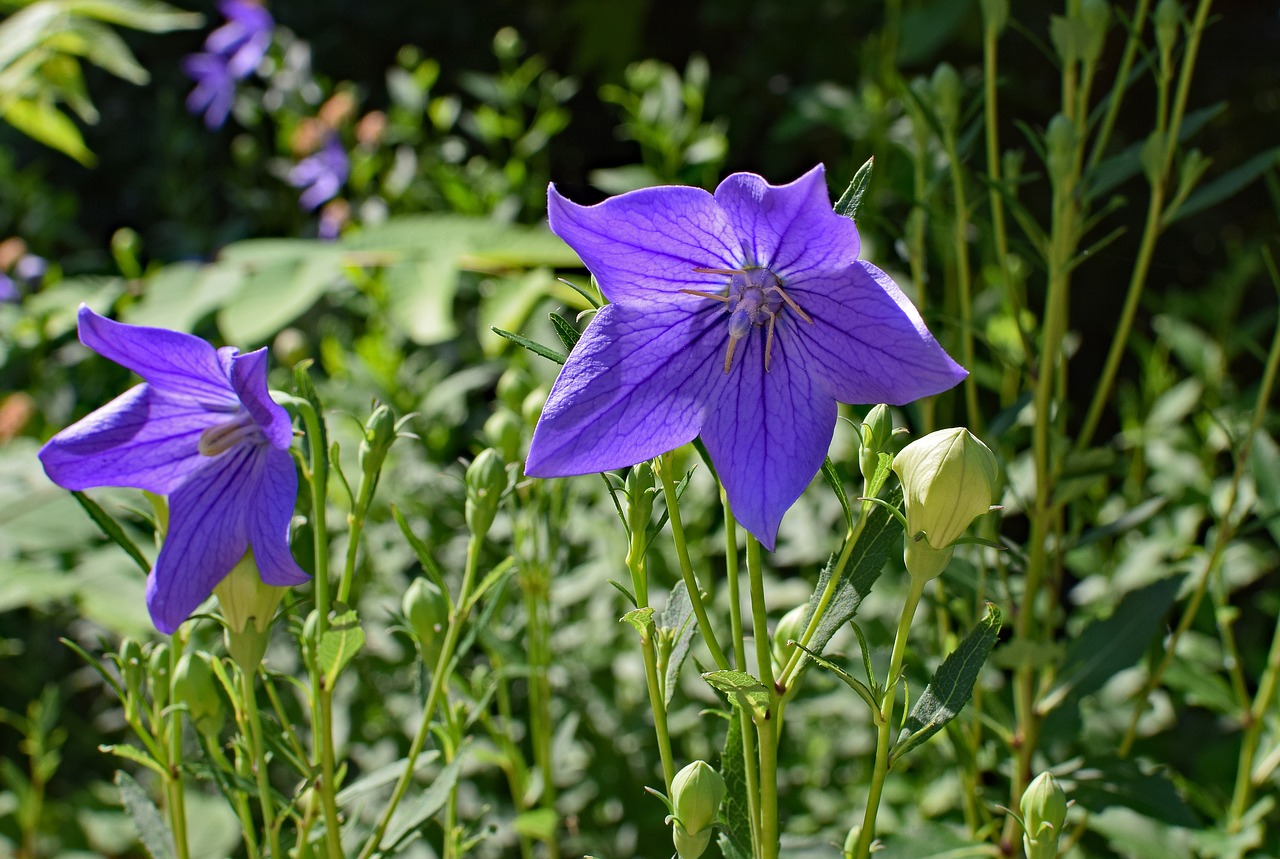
486, 481
248, 605
696, 794
195, 686
1044, 811
379, 435
874, 434
427, 609
788, 629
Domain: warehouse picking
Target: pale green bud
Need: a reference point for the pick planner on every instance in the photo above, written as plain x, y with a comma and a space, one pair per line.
1059, 145
696, 794
875, 433
131, 665
379, 435
1167, 20
486, 481
158, 673
1096, 17
1044, 811
248, 605
947, 91
513, 386
789, 629
195, 686
505, 431
948, 480
426, 608
640, 491
996, 14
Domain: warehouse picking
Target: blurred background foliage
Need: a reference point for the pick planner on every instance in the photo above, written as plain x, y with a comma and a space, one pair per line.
454, 118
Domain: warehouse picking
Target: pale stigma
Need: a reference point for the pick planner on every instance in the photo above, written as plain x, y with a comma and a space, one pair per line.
220, 438
754, 298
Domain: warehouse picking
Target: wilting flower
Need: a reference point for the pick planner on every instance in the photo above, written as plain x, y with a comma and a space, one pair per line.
321, 174
741, 317
231, 53
202, 430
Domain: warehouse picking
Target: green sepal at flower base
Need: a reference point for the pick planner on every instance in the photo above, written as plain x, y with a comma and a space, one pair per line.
696, 794
248, 605
948, 480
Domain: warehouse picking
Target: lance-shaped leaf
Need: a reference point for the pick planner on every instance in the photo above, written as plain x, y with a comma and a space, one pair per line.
152, 830
676, 625
851, 200
951, 686
743, 690
735, 837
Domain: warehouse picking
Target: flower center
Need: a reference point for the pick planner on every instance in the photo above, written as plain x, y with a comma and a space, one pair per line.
220, 438
754, 298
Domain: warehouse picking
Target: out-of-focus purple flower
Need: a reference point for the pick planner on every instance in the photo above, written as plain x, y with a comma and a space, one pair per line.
244, 39
202, 430
8, 289
741, 317
231, 53
321, 175
215, 89
31, 268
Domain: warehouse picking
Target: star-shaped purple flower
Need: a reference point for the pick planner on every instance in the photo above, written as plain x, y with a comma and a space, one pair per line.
244, 39
215, 89
741, 317
202, 430
321, 174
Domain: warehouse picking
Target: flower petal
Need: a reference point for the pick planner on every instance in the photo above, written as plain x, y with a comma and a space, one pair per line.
142, 439
249, 378
648, 241
789, 229
174, 363
867, 342
274, 499
208, 534
633, 388
767, 433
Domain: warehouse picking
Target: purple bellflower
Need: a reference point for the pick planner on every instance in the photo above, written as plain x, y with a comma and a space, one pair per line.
231, 53
743, 317
202, 430
321, 174
8, 289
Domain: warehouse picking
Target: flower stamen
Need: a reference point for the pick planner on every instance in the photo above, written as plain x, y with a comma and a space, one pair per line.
754, 298
220, 438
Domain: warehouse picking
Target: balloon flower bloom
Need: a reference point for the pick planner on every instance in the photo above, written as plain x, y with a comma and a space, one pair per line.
743, 317
203, 430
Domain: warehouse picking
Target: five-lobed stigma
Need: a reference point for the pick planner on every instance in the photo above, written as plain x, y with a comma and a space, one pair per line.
754, 298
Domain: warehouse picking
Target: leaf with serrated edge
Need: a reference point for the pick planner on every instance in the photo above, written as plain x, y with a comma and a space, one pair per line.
734, 810
152, 829
743, 690
339, 645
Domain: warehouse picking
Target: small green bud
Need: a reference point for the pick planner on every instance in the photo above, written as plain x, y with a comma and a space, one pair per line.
641, 487
995, 13
1044, 811
158, 673
507, 44
379, 435
531, 406
426, 608
1167, 20
1059, 145
486, 481
789, 629
947, 91
948, 480
696, 794
875, 433
131, 670
505, 431
513, 386
1095, 16
248, 605
195, 686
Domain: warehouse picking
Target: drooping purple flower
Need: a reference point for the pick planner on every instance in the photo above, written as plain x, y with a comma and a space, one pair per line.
244, 39
321, 175
203, 430
742, 317
215, 89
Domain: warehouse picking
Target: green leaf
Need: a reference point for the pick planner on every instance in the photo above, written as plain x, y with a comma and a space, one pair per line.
833, 480
381, 777
428, 563
676, 620
1108, 646
307, 391
1224, 186
1102, 784
743, 690
411, 815
640, 618
339, 645
952, 684
420, 297
852, 682
535, 348
538, 823
41, 120
851, 200
112, 529
152, 829
151, 16
135, 755
565, 330
275, 289
735, 837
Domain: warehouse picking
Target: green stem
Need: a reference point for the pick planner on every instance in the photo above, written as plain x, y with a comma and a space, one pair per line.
766, 723
1242, 794
1127, 60
253, 722
174, 787
239, 802
461, 610
884, 719
964, 287
662, 465
751, 773
355, 522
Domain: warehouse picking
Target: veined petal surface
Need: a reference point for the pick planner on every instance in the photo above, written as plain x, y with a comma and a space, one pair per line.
273, 499
249, 378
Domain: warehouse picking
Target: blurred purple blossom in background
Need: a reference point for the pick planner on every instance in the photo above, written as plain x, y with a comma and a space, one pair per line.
8, 289
321, 175
231, 53
31, 269
203, 430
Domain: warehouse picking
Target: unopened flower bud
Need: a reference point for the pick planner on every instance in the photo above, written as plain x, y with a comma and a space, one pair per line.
788, 629
131, 670
995, 13
379, 435
947, 91
1059, 146
158, 673
696, 793
513, 386
1044, 811
1096, 18
505, 431
640, 491
948, 480
1167, 19
531, 406
248, 605
195, 686
486, 481
426, 608
874, 433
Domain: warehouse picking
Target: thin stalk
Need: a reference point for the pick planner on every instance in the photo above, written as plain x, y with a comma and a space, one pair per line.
662, 466
884, 719
964, 288
766, 723
1127, 60
461, 610
1243, 792
749, 759
239, 802
355, 527
253, 722
174, 788
657, 703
